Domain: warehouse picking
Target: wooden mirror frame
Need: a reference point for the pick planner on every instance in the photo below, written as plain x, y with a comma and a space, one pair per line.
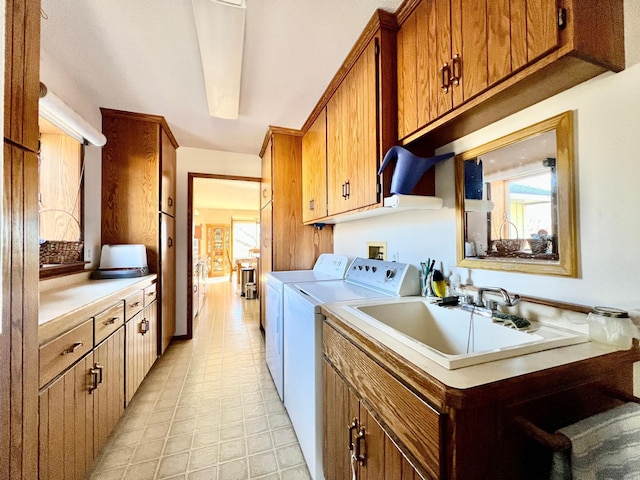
567, 264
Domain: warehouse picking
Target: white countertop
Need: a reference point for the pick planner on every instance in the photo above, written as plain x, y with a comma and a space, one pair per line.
63, 295
476, 375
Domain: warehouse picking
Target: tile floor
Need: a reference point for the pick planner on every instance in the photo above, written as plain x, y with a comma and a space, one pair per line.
208, 408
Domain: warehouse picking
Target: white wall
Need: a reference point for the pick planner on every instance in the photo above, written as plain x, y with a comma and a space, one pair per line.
195, 160
607, 124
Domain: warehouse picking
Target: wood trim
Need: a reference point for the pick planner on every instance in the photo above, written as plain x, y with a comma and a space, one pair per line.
273, 130
405, 9
144, 117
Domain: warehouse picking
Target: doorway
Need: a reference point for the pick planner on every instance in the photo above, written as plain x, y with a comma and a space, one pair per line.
217, 204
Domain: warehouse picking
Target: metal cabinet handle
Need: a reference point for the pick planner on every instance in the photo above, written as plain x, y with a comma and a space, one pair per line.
100, 369
456, 68
359, 439
312, 204
151, 294
170, 242
111, 321
445, 75
352, 426
72, 348
135, 304
94, 373
170, 201
348, 185
144, 326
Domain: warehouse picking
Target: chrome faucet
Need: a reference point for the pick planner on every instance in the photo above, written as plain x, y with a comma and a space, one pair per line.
507, 300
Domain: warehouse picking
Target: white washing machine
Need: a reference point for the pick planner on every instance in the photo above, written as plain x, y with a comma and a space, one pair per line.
328, 266
365, 278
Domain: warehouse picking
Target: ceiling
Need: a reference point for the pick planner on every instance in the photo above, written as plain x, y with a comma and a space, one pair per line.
143, 56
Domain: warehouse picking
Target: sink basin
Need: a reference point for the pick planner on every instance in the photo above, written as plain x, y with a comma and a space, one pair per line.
452, 338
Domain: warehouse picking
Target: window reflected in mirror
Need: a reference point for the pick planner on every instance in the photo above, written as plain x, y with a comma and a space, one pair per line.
515, 198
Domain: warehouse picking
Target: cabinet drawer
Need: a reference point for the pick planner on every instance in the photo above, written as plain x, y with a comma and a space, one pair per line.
59, 354
109, 321
404, 416
133, 304
150, 294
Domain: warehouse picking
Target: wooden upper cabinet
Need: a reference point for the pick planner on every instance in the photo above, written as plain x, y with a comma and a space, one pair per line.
314, 170
266, 188
462, 65
361, 125
168, 167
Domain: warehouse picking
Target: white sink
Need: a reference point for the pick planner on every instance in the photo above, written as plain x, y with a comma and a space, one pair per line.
450, 336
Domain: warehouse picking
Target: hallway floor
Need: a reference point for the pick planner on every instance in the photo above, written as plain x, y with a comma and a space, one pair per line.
208, 408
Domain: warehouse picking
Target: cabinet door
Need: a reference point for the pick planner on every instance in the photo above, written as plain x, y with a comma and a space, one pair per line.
314, 170
352, 143
267, 175
109, 396
168, 184
167, 327
131, 184
407, 75
344, 418
141, 348
339, 410
66, 424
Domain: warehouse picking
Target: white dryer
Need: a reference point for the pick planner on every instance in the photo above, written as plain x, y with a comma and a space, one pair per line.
365, 279
328, 266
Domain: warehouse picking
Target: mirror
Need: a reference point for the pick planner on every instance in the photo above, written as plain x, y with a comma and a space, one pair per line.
515, 201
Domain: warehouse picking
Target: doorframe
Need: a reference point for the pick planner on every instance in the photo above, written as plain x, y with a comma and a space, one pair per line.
190, 177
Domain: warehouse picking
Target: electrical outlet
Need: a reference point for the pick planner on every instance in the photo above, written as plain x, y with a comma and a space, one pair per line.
88, 254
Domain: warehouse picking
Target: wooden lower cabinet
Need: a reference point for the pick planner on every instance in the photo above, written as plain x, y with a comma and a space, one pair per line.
355, 445
79, 409
141, 352
410, 420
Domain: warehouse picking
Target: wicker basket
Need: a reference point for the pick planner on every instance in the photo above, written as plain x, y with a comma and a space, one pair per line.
505, 246
59, 252
538, 245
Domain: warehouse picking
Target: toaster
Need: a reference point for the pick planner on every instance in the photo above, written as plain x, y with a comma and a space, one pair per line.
122, 261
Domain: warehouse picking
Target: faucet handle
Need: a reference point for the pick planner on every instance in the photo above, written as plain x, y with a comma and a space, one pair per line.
492, 305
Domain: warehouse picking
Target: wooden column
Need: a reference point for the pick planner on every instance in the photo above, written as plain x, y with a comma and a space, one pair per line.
19, 244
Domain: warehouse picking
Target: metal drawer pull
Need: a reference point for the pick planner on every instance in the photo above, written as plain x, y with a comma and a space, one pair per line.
111, 321
136, 304
151, 294
72, 348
